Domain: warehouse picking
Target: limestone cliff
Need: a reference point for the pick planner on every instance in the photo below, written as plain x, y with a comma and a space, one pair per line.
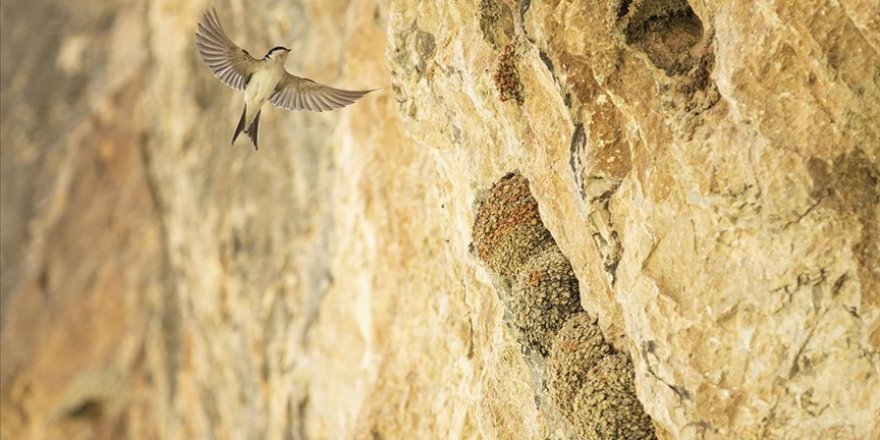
702, 176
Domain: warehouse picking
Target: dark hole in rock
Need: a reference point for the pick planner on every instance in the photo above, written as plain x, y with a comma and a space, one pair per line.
623, 9
89, 409
667, 31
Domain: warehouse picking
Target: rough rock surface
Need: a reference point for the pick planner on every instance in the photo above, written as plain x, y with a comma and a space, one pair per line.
709, 168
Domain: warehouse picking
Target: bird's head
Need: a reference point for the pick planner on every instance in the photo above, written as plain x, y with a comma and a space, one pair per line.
277, 54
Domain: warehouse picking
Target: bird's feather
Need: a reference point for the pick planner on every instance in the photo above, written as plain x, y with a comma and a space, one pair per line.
253, 130
295, 93
230, 63
240, 127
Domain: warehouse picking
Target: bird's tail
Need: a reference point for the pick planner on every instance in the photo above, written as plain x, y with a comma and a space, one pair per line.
253, 129
240, 126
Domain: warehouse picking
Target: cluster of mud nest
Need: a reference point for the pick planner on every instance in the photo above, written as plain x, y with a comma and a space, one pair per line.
589, 382
592, 384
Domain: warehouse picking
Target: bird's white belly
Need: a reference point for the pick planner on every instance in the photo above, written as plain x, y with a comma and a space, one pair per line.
260, 87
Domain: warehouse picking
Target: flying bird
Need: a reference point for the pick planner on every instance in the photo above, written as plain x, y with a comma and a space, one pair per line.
263, 79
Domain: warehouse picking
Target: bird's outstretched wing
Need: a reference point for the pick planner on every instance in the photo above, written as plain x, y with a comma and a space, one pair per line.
295, 93
230, 63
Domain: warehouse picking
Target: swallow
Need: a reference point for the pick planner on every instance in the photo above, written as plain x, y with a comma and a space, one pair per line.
263, 79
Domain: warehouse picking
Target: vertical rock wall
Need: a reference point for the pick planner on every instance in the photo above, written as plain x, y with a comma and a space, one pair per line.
709, 170
682, 155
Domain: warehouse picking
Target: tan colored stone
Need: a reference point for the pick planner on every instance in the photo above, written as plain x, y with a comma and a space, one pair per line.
710, 171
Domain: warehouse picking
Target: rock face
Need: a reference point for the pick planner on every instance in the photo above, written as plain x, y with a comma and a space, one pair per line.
588, 382
709, 170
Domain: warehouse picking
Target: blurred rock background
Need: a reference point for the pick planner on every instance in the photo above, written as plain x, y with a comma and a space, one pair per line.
710, 169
